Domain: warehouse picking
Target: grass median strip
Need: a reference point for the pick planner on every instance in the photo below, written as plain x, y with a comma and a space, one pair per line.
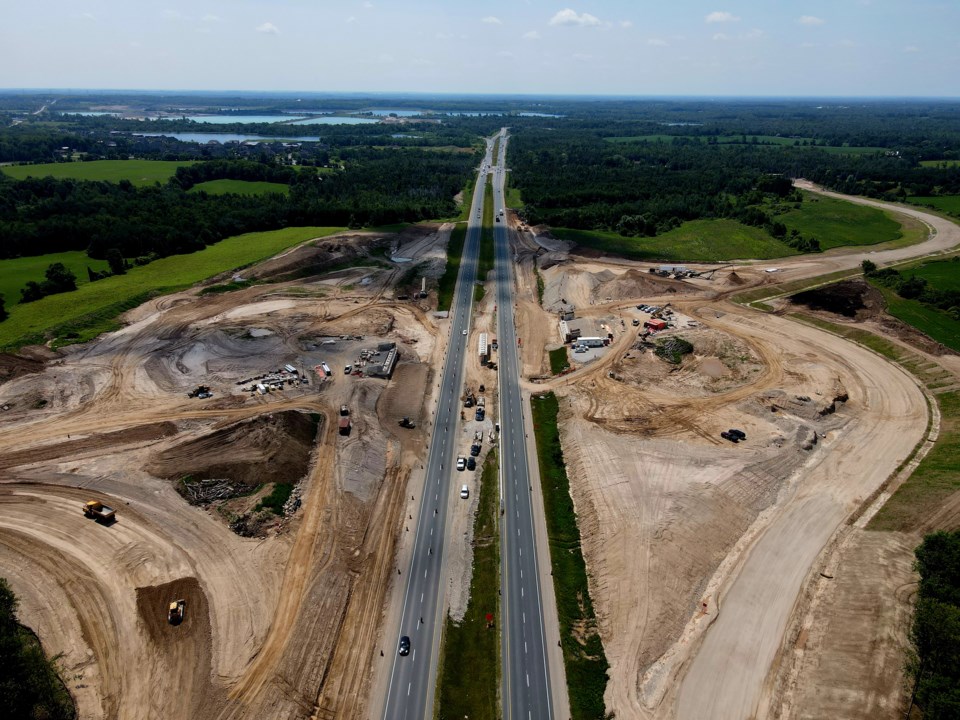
448, 281
583, 656
470, 664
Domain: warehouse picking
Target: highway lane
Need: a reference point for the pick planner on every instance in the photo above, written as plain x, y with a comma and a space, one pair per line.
526, 684
413, 677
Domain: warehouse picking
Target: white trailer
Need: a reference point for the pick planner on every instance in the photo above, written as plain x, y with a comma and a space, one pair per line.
483, 348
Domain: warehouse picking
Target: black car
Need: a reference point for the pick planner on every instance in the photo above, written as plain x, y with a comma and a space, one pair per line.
471, 463
728, 436
739, 434
404, 648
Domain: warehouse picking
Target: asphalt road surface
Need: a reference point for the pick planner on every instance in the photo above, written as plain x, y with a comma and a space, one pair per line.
526, 683
414, 676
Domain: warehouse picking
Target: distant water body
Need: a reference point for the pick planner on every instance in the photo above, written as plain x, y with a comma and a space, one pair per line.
199, 137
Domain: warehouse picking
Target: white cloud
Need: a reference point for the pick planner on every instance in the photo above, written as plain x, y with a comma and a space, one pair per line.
626, 23
810, 20
445, 36
88, 16
721, 37
368, 5
350, 19
721, 16
268, 28
210, 18
911, 49
532, 35
657, 42
491, 20
753, 34
582, 56
807, 45
505, 54
570, 17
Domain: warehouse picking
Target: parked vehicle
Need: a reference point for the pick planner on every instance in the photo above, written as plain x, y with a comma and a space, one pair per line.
461, 463
739, 434
464, 492
175, 612
471, 463
727, 436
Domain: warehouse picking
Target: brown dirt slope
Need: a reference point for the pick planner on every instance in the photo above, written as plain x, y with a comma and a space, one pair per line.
268, 448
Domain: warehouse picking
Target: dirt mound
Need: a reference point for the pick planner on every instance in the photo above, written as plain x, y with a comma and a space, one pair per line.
178, 646
13, 366
850, 298
316, 258
269, 448
734, 279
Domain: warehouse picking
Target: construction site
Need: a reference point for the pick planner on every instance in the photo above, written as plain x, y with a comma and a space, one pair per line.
260, 454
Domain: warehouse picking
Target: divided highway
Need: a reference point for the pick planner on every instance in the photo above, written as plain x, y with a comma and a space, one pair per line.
526, 680
525, 677
413, 677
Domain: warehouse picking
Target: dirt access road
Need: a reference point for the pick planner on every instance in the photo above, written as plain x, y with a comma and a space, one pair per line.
672, 517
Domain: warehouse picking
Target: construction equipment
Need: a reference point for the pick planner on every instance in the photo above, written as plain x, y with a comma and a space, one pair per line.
175, 612
407, 423
98, 511
344, 411
201, 392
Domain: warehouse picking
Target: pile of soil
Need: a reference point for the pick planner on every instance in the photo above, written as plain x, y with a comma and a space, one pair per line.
13, 366
269, 448
850, 298
316, 258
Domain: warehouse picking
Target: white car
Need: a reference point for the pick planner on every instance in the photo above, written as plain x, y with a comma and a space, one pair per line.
464, 492
461, 463
464, 332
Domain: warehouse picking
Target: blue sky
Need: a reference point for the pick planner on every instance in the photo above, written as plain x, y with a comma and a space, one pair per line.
678, 47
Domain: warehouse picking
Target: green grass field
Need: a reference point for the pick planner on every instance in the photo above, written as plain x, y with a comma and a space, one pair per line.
697, 240
239, 187
836, 223
472, 647
940, 163
583, 655
949, 204
941, 274
935, 323
485, 259
92, 309
138, 172
15, 273
513, 199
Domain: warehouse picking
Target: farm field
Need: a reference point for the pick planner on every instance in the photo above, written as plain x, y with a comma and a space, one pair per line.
949, 204
836, 223
697, 240
93, 307
239, 187
16, 272
138, 172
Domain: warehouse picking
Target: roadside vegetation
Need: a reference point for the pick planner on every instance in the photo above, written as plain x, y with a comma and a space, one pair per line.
925, 296
935, 634
487, 250
29, 682
583, 656
469, 676
93, 308
448, 281
837, 223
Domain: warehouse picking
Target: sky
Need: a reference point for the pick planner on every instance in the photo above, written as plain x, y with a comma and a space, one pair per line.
603, 47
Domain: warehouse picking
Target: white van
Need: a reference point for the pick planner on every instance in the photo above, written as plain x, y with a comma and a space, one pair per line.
464, 492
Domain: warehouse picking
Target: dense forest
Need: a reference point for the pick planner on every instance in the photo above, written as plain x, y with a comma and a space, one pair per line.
376, 187
29, 685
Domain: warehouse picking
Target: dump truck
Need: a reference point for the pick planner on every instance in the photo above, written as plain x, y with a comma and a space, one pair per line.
175, 612
98, 511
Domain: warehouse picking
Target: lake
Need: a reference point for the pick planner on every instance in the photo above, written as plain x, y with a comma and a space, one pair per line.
225, 137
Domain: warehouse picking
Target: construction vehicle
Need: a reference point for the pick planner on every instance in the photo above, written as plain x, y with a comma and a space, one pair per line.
175, 612
660, 311
201, 392
98, 511
344, 411
407, 423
